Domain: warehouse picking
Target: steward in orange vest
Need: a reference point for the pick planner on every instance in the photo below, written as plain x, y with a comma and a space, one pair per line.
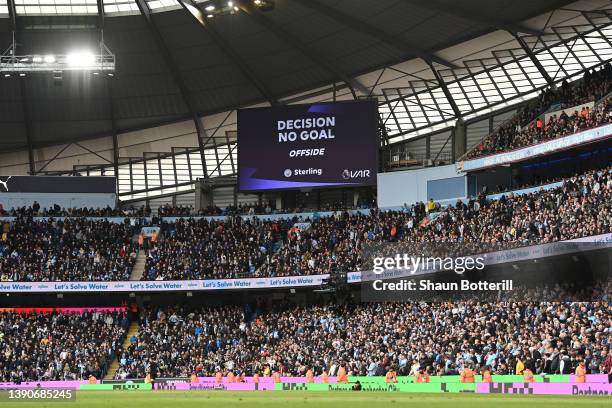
391, 377
581, 373
486, 375
342, 377
467, 375
528, 376
421, 377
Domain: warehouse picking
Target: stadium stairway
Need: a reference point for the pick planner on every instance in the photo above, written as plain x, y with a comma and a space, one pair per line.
139, 266
132, 331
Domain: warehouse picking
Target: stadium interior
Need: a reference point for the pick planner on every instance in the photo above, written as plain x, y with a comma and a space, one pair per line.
218, 198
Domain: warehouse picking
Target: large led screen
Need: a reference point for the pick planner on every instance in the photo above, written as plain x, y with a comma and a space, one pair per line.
308, 146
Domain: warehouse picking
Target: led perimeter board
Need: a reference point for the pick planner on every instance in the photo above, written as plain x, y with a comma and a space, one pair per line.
308, 146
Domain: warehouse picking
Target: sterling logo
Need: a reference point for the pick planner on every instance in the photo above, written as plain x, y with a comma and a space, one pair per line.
353, 174
5, 182
287, 172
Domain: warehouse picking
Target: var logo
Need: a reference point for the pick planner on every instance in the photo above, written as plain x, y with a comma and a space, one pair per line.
353, 174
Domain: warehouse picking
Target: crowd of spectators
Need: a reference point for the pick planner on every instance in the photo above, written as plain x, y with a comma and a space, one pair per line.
56, 210
248, 209
166, 210
58, 346
344, 242
549, 337
528, 127
205, 249
74, 249
581, 207
71, 249
329, 244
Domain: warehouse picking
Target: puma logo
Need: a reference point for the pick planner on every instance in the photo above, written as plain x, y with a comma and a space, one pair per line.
5, 182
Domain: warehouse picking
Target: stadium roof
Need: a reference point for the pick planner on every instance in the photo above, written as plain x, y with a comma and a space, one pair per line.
173, 62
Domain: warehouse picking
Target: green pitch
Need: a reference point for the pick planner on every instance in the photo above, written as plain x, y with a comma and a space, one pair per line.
278, 399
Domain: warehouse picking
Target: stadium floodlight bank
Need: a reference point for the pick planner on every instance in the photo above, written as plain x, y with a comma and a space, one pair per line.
37, 63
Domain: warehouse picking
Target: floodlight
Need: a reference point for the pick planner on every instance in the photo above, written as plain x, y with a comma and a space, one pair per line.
80, 59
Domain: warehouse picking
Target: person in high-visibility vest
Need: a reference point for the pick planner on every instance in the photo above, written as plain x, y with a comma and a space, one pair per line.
92, 380
325, 377
486, 375
581, 373
528, 376
148, 379
467, 375
230, 377
219, 377
276, 377
256, 378
422, 377
342, 377
309, 376
194, 378
391, 377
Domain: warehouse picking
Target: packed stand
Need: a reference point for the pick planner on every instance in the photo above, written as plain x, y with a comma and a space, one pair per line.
207, 249
56, 210
58, 346
248, 209
344, 242
330, 244
77, 249
548, 337
168, 210
527, 127
72, 249
581, 207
